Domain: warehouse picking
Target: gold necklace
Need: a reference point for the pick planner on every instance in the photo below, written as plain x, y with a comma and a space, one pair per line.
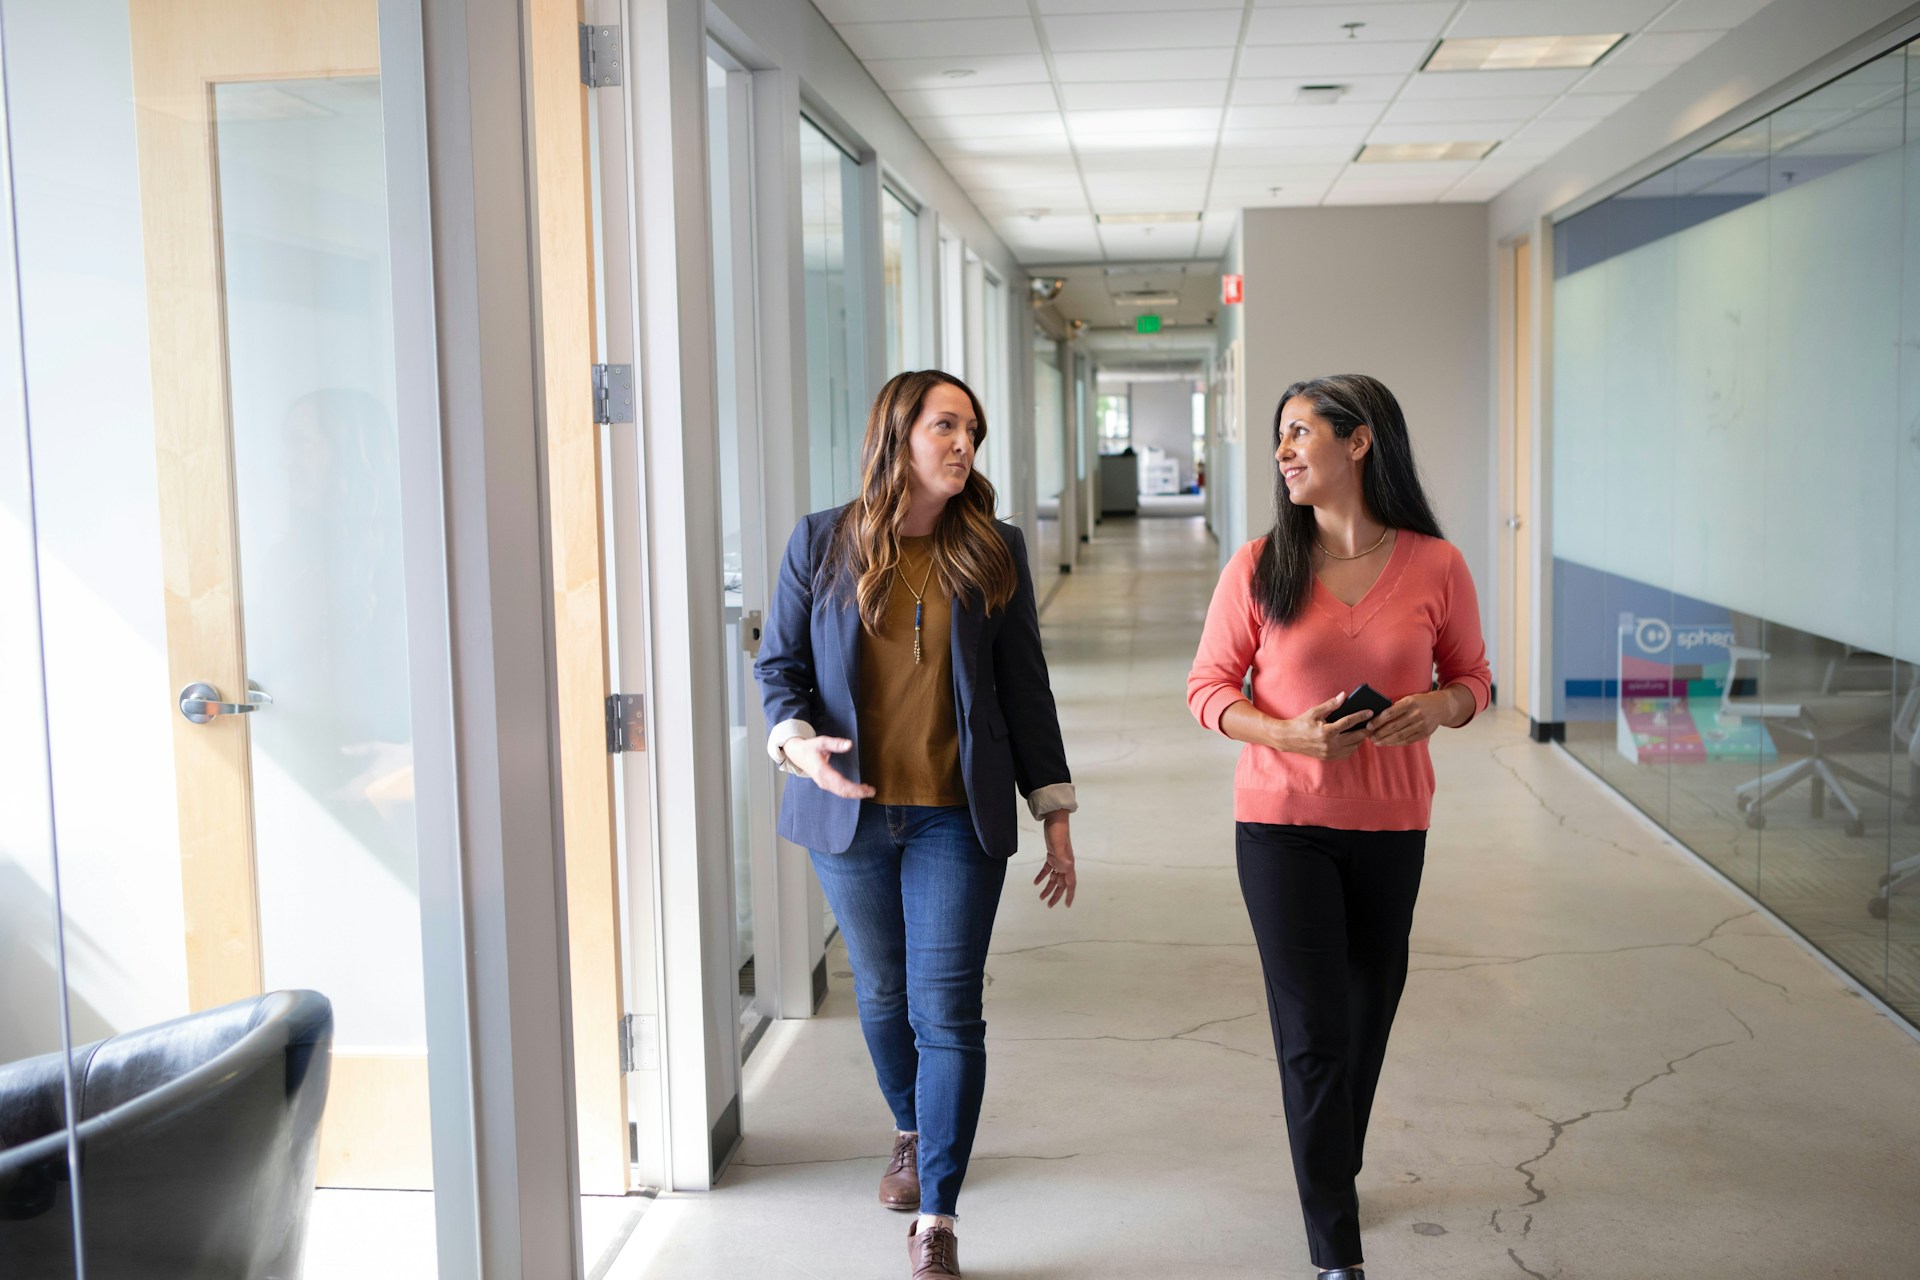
919, 601
1361, 555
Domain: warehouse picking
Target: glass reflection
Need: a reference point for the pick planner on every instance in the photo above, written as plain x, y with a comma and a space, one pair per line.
1734, 463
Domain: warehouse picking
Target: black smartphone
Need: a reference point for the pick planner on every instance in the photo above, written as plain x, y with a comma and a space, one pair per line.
1365, 698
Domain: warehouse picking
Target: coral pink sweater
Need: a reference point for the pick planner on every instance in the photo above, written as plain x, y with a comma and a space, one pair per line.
1421, 615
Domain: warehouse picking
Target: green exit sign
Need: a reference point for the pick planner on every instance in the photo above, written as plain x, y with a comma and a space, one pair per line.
1146, 324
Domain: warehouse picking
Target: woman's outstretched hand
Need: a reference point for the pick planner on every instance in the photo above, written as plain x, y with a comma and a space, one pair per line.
811, 756
1056, 878
1311, 734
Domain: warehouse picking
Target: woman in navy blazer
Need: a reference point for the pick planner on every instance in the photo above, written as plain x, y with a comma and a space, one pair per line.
909, 816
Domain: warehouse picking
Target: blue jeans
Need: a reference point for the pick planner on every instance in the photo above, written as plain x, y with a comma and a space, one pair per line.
915, 896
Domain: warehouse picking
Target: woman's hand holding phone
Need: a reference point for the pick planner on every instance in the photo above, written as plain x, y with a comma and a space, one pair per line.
1312, 734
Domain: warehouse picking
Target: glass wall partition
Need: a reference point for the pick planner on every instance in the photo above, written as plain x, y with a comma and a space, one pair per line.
836, 400
1736, 496
1049, 442
208, 350
900, 276
993, 368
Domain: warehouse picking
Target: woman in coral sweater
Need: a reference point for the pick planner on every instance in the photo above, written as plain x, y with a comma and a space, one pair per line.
1353, 585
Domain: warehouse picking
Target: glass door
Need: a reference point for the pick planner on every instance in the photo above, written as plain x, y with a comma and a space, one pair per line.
744, 574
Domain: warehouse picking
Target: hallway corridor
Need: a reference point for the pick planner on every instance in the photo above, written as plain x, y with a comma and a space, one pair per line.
1607, 1067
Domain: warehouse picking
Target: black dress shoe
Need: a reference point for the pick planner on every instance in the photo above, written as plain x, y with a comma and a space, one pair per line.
1344, 1273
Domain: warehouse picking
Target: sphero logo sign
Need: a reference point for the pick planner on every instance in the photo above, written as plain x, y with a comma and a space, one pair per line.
1656, 638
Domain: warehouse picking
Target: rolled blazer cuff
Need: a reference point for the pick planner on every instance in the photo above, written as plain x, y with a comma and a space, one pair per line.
783, 733
1054, 798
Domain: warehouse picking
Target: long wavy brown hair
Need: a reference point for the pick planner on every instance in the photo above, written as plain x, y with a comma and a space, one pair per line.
970, 556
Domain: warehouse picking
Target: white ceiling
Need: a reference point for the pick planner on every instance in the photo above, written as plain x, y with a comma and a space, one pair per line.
1081, 107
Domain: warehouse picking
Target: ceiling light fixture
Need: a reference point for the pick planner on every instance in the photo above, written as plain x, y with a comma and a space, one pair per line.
1520, 53
959, 73
1142, 218
1146, 298
1409, 152
1319, 95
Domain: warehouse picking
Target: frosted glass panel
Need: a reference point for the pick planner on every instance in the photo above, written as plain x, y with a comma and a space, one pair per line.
303, 226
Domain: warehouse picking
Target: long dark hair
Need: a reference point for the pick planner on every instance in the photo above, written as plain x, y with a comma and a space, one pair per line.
1389, 485
970, 558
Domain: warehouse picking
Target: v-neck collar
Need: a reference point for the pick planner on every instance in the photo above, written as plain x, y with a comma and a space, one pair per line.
1351, 617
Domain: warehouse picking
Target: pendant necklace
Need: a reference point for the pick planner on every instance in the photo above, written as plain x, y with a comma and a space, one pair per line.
919, 601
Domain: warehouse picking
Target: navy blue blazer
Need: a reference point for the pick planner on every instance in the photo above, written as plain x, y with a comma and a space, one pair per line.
809, 671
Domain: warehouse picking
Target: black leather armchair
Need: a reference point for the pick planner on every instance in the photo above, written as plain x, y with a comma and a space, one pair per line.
198, 1140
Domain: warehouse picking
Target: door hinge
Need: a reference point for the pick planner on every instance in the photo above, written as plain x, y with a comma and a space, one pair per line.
612, 393
639, 1043
599, 56
626, 722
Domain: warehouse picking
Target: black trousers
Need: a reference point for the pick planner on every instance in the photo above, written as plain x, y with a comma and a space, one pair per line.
1331, 912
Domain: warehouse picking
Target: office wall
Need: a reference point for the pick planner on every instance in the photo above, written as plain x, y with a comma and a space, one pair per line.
1399, 292
1162, 418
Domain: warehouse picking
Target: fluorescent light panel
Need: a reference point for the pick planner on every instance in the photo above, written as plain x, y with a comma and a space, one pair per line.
1407, 152
1130, 218
1520, 53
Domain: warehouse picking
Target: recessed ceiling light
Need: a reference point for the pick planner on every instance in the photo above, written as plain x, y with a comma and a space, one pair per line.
959, 73
1403, 152
1148, 217
1520, 53
1146, 298
1319, 95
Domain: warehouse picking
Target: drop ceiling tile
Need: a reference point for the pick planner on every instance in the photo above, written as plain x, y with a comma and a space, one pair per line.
1248, 154
894, 74
1321, 24
839, 11
958, 37
1553, 17
1183, 28
1290, 116
1259, 177
1408, 173
1135, 243
1259, 92
1707, 15
1126, 94
1048, 8
1586, 106
1287, 139
996, 99
1556, 133
1292, 195
1192, 159
1661, 48
1167, 64
1126, 144
1450, 110
1351, 195
1331, 61
1466, 131
1607, 78
1045, 124
1025, 204
1142, 195
1053, 145
1088, 124
1489, 84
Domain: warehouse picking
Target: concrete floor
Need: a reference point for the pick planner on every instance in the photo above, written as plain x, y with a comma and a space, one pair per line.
1606, 1065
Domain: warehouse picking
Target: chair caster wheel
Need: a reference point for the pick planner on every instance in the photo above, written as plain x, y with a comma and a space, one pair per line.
1877, 907
1756, 819
1856, 828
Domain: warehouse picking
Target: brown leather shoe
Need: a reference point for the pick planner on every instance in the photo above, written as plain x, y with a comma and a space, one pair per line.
935, 1253
900, 1184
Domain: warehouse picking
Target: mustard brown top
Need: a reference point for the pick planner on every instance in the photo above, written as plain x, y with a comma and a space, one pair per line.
909, 734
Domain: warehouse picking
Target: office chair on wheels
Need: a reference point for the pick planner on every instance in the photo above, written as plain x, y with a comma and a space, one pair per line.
1907, 870
1817, 719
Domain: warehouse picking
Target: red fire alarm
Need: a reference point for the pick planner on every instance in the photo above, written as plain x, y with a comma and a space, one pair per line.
1233, 288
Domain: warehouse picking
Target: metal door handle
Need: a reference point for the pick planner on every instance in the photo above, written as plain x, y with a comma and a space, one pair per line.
201, 703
